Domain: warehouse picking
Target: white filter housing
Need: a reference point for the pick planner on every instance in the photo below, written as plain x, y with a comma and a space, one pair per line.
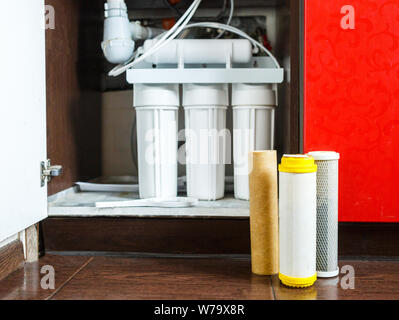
297, 221
206, 140
157, 117
327, 213
253, 129
200, 51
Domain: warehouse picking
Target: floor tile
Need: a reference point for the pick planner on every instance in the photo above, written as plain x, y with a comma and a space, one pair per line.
189, 278
165, 278
25, 283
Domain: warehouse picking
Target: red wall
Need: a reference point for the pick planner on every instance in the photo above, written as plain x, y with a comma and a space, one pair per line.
352, 102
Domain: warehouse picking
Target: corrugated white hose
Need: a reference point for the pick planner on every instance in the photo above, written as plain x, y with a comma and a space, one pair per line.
239, 32
164, 39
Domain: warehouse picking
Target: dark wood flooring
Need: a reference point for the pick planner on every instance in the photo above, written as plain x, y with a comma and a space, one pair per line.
99, 277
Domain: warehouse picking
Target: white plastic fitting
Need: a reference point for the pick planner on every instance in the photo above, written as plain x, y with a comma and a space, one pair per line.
199, 51
139, 32
118, 46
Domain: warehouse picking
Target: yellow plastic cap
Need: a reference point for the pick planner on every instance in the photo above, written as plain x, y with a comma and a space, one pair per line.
297, 282
297, 163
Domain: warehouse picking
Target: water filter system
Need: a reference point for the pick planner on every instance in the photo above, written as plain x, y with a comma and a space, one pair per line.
205, 77
203, 69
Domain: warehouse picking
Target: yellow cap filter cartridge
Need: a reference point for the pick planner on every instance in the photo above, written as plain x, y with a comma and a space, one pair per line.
297, 221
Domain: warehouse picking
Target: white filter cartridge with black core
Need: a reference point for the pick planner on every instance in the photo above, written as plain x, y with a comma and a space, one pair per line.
327, 213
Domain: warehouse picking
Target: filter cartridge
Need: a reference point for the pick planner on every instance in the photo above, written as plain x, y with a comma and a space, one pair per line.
327, 213
253, 128
297, 220
156, 110
263, 208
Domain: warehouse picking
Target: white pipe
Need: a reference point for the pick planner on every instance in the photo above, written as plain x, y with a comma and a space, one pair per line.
119, 33
118, 46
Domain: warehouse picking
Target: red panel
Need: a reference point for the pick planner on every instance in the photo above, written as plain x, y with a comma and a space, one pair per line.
352, 102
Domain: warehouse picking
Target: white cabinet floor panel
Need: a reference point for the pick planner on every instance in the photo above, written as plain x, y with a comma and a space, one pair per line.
73, 203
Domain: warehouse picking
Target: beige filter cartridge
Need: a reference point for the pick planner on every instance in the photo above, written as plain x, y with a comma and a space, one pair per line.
263, 212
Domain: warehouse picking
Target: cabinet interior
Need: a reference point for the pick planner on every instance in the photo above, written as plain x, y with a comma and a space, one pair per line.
90, 117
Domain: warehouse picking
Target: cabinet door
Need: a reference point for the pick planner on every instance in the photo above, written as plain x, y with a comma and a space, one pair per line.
352, 100
22, 115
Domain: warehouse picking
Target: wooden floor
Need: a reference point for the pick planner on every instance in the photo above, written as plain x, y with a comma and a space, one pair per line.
84, 277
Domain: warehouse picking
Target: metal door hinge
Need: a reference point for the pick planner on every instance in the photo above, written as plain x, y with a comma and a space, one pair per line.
48, 172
